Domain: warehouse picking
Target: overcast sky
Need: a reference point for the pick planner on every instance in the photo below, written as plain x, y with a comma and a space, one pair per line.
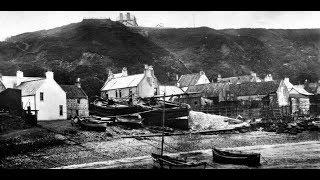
17, 22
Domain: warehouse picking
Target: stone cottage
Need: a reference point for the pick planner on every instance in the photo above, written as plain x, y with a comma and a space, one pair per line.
124, 87
77, 100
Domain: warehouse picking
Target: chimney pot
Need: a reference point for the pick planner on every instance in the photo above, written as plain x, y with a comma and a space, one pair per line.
78, 83
219, 78
19, 77
124, 72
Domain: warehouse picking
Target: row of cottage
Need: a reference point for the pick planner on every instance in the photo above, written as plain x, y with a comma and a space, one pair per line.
52, 101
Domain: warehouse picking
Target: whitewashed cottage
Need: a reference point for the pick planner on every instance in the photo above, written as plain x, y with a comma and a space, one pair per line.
122, 86
187, 80
41, 94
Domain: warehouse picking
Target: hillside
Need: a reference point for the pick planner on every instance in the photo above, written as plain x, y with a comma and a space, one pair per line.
231, 52
89, 48
86, 50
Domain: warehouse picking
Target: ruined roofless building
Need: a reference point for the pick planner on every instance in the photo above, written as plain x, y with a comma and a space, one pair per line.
127, 19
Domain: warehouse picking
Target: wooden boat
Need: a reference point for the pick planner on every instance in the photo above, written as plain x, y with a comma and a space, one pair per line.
236, 157
130, 121
166, 162
101, 108
93, 124
154, 117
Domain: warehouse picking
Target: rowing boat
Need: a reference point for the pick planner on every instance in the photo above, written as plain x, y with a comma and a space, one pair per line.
166, 162
236, 157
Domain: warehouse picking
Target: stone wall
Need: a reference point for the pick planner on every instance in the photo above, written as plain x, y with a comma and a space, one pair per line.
74, 108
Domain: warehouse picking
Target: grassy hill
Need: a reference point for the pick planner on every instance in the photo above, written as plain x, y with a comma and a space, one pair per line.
89, 48
231, 52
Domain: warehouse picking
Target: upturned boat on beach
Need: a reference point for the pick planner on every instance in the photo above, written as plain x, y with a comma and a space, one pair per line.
166, 162
235, 157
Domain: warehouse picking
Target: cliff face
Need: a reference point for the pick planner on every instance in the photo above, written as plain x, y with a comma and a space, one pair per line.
88, 48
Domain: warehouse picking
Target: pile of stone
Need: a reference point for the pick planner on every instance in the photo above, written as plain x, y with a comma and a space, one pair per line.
203, 121
293, 127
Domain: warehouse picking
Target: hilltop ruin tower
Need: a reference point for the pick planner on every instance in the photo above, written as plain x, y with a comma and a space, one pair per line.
127, 19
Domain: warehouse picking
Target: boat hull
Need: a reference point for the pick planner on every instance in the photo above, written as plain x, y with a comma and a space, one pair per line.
154, 118
93, 126
114, 111
229, 157
166, 162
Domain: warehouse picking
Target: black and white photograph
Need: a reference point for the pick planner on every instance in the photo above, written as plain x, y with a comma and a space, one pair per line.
159, 90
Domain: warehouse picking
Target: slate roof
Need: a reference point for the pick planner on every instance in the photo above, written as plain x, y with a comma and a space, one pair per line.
123, 82
209, 90
170, 90
189, 79
11, 81
73, 92
299, 88
30, 87
254, 88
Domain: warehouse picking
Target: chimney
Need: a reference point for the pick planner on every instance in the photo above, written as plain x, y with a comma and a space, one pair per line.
0, 76
253, 74
78, 83
19, 77
219, 78
238, 82
128, 16
121, 17
286, 79
151, 70
177, 77
110, 74
124, 72
147, 71
268, 78
202, 73
49, 75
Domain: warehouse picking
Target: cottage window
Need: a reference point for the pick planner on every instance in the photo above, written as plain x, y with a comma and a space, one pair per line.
41, 96
61, 110
107, 96
120, 93
116, 93
78, 100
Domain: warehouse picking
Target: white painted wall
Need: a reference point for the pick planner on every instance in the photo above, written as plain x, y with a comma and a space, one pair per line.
203, 80
147, 87
54, 96
28, 101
